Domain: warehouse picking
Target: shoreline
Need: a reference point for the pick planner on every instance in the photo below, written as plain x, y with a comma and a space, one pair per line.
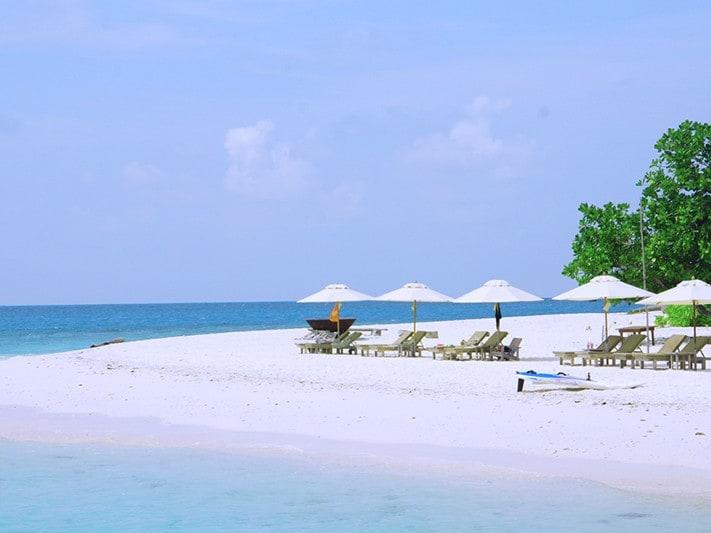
252, 390
397, 457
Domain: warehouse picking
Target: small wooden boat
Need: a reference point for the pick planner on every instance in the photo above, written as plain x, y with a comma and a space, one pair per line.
324, 324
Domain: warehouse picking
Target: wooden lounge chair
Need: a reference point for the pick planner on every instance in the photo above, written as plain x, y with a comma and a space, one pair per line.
346, 343
413, 346
507, 353
395, 346
481, 350
698, 357
605, 346
664, 354
627, 348
320, 342
688, 356
474, 340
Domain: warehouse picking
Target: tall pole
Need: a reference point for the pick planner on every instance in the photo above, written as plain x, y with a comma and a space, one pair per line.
338, 319
414, 316
693, 318
644, 267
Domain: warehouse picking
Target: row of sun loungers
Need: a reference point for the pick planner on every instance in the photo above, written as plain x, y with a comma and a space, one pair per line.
630, 352
690, 356
614, 350
480, 347
409, 343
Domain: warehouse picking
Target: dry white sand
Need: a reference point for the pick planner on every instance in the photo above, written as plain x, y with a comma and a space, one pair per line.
254, 389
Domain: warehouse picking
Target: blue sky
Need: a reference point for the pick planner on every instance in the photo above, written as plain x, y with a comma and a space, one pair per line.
198, 151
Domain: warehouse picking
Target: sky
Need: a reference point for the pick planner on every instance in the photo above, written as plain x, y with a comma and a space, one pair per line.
177, 151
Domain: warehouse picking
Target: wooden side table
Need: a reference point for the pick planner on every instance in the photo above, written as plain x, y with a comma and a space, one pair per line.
637, 329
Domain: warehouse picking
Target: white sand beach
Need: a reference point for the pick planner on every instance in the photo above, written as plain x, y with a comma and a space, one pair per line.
253, 389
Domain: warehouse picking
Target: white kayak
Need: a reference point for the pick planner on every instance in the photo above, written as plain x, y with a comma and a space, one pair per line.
564, 380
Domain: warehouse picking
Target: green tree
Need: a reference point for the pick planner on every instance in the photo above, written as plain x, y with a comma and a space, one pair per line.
676, 202
607, 243
676, 206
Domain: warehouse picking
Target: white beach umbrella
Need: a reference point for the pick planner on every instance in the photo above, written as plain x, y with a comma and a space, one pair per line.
497, 291
604, 288
336, 293
414, 292
690, 292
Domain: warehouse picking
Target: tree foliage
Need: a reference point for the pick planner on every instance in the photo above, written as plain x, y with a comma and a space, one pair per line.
676, 201
607, 243
682, 316
675, 205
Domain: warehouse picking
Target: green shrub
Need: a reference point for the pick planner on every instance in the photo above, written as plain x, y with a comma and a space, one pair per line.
681, 315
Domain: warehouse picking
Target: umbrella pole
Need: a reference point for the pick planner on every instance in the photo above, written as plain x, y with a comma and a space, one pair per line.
693, 317
414, 316
646, 313
605, 308
338, 321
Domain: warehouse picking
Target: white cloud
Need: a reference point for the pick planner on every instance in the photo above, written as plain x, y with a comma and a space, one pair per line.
261, 169
472, 142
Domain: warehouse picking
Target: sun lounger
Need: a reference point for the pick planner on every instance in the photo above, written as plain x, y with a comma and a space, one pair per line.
628, 347
699, 358
605, 346
395, 346
474, 340
346, 343
665, 354
691, 355
413, 346
507, 353
482, 350
319, 341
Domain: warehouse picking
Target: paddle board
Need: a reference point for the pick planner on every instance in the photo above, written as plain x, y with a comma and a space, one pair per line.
564, 380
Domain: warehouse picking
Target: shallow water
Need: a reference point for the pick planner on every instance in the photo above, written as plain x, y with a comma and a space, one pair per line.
54, 328
91, 488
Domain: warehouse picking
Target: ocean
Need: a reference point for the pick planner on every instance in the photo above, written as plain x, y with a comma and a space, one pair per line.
55, 328
99, 488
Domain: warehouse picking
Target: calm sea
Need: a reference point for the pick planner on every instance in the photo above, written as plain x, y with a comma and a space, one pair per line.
55, 328
81, 488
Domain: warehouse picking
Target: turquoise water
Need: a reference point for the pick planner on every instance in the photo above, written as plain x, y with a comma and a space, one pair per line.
79, 488
44, 329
